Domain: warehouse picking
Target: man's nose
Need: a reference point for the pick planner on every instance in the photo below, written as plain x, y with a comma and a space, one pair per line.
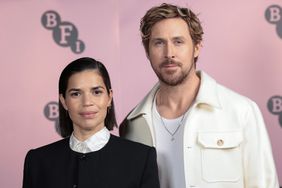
169, 54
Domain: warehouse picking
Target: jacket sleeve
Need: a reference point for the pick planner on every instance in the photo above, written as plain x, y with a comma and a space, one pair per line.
259, 166
26, 173
123, 128
150, 178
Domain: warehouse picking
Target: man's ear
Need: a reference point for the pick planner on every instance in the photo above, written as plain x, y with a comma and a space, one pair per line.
197, 49
147, 55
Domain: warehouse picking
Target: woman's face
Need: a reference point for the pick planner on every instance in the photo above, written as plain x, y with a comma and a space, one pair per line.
86, 100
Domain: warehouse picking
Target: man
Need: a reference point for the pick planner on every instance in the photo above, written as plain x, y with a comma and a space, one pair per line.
205, 134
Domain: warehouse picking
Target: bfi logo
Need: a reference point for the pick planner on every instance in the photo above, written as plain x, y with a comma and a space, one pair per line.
274, 106
51, 112
65, 34
273, 15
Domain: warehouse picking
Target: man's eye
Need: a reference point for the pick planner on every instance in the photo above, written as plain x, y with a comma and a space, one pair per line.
178, 42
158, 43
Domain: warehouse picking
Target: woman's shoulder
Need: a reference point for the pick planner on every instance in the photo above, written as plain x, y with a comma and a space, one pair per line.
128, 145
55, 147
133, 156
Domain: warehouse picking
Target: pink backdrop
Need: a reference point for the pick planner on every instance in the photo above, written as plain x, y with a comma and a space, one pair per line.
242, 50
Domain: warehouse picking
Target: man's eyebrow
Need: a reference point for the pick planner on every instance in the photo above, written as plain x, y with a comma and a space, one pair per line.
162, 39
157, 38
178, 37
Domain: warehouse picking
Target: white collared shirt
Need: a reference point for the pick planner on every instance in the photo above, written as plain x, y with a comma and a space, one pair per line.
93, 143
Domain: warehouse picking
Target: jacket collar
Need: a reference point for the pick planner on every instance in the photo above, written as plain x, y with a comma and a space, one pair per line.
208, 91
207, 96
145, 106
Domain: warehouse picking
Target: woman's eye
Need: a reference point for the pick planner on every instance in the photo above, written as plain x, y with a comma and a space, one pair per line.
75, 94
97, 92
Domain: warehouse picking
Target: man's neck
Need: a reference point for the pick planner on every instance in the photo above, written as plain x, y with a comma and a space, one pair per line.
173, 101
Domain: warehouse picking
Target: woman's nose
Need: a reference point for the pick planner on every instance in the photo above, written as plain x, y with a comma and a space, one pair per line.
88, 100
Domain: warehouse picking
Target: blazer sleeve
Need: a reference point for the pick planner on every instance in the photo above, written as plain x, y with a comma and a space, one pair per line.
26, 172
150, 178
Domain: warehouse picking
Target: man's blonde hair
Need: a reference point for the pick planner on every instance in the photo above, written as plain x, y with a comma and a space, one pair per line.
166, 11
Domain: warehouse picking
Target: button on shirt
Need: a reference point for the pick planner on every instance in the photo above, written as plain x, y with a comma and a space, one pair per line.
94, 143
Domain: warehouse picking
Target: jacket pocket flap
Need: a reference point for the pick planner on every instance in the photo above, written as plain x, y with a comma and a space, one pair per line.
219, 140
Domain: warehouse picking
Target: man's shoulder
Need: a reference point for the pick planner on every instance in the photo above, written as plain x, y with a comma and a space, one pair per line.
231, 96
144, 106
135, 116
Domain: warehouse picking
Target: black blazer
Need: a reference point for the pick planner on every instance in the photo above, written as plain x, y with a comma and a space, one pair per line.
120, 164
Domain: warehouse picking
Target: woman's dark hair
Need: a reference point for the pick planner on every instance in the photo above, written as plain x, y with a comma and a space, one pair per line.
79, 65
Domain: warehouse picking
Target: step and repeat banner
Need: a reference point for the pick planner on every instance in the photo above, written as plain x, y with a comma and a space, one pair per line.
241, 49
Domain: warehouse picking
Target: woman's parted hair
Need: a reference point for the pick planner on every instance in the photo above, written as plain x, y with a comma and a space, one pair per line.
65, 123
166, 11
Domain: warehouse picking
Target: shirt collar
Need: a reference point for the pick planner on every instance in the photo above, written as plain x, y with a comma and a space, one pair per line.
94, 143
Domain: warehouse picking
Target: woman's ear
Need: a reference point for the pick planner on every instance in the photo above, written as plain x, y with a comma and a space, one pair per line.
62, 100
110, 97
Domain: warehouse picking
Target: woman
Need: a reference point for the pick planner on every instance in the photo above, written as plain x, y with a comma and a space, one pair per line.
89, 156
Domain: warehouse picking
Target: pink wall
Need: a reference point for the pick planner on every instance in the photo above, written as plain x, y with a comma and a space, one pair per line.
242, 50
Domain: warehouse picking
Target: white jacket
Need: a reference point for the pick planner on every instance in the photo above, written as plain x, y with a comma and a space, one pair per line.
226, 144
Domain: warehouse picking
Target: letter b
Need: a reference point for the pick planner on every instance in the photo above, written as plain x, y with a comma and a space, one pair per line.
273, 14
51, 111
275, 105
50, 19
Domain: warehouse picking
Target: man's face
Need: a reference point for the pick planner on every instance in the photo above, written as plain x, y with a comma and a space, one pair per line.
171, 51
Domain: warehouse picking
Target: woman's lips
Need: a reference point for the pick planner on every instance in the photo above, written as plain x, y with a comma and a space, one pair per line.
89, 114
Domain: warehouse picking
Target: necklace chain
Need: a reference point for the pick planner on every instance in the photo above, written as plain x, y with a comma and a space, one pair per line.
177, 128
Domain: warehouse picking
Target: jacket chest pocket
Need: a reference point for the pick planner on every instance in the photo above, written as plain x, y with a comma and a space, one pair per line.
221, 156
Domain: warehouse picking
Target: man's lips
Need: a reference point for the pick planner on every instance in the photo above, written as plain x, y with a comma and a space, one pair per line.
169, 64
